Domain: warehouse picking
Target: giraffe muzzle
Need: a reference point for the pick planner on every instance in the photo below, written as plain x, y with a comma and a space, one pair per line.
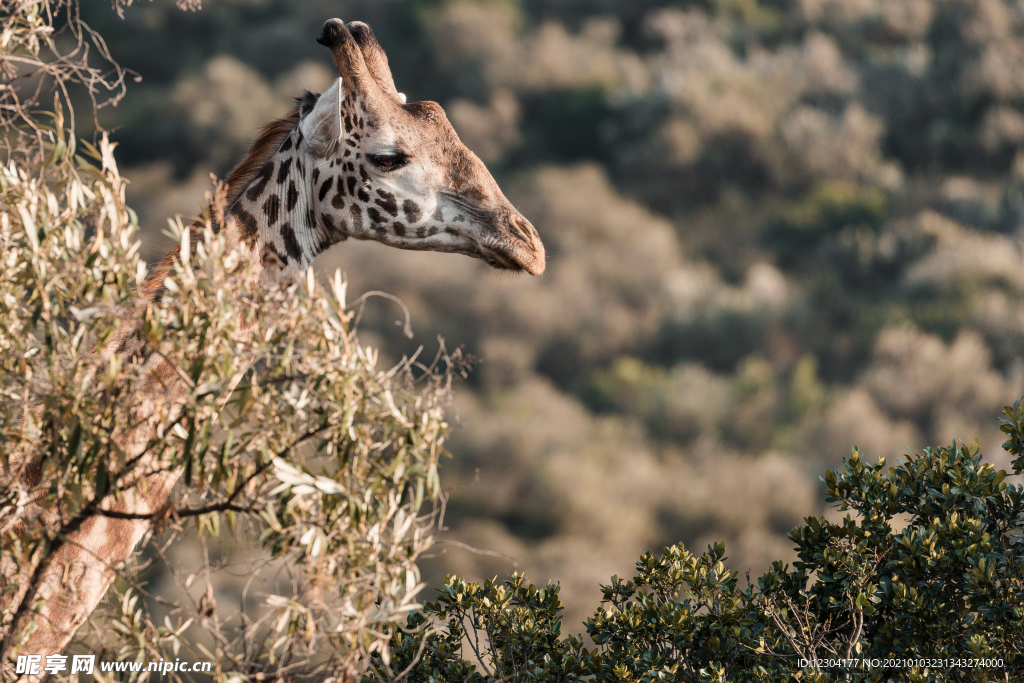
526, 244
519, 249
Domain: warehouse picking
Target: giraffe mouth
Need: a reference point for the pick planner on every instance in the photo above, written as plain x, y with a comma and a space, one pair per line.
515, 260
499, 258
502, 238
500, 261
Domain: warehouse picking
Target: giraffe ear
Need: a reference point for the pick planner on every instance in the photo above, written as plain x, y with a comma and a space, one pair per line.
374, 56
306, 103
321, 124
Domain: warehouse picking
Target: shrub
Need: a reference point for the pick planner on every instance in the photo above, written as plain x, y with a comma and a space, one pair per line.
285, 430
926, 572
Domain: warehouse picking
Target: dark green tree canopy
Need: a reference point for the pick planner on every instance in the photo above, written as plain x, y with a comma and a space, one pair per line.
922, 582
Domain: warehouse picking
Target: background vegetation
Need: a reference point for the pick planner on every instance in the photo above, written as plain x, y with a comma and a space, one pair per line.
776, 229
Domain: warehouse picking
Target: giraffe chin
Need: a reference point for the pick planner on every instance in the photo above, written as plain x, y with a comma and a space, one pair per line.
511, 263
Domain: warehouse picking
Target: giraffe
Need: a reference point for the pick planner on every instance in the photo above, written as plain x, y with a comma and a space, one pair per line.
357, 161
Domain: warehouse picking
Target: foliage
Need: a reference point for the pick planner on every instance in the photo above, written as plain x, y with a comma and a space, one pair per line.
768, 182
929, 568
42, 52
802, 225
283, 427
728, 189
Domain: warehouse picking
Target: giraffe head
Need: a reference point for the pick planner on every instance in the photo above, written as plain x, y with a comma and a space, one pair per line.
396, 172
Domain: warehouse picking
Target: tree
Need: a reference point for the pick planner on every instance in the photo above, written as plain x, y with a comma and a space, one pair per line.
937, 598
322, 464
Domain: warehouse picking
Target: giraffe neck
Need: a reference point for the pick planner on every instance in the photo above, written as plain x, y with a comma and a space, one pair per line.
272, 217
275, 215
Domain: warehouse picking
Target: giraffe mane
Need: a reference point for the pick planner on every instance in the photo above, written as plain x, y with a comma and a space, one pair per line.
260, 151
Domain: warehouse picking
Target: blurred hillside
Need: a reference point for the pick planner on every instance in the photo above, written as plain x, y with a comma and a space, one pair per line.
775, 229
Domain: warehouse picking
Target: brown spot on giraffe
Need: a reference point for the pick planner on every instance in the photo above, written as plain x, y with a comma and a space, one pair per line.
412, 211
325, 188
271, 207
291, 244
387, 201
293, 196
256, 190
284, 171
249, 227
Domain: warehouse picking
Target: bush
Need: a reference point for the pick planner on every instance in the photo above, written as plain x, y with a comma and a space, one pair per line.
928, 569
287, 433
279, 423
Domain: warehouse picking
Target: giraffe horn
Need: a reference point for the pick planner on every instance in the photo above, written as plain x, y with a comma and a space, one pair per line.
347, 55
374, 56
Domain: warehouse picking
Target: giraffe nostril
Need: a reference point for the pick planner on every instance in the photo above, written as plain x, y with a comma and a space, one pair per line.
527, 249
522, 229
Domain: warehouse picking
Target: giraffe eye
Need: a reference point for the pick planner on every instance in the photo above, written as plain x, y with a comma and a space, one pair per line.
388, 162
